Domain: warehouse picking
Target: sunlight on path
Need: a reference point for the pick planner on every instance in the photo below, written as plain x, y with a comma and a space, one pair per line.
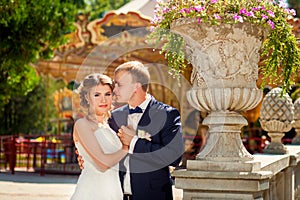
32, 186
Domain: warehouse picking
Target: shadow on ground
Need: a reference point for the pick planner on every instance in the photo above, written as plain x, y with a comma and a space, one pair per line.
33, 177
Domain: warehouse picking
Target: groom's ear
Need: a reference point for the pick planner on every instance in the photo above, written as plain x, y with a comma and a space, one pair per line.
136, 87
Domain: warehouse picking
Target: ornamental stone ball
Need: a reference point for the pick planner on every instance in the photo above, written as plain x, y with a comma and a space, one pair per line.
276, 117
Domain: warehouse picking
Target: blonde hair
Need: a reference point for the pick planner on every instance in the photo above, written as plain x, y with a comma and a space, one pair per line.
91, 81
138, 72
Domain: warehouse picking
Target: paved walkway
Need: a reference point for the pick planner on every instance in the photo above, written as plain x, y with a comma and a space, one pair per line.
32, 186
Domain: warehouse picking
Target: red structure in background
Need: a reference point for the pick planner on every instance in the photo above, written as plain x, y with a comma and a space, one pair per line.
38, 153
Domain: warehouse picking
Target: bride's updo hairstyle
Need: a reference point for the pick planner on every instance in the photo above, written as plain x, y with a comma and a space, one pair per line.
91, 81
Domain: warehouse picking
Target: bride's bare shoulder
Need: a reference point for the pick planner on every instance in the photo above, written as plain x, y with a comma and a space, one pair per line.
85, 124
81, 120
81, 123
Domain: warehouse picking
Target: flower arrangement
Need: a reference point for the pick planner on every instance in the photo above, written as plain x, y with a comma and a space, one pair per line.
280, 54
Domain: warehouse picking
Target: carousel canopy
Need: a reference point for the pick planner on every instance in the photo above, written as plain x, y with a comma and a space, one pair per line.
144, 7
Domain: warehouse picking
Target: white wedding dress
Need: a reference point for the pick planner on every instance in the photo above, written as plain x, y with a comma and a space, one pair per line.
93, 184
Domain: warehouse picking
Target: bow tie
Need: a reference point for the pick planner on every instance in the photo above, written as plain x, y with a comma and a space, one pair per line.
135, 110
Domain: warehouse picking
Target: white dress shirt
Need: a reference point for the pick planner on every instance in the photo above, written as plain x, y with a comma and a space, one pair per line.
133, 120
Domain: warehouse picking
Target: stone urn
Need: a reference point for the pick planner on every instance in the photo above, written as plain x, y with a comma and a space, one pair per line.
225, 70
276, 117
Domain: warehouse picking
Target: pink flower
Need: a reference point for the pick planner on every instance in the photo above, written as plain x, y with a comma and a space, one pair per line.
264, 16
255, 9
292, 12
271, 14
199, 20
185, 10
152, 28
198, 8
217, 16
271, 24
250, 14
156, 20
165, 10
243, 11
182, 10
213, 1
238, 18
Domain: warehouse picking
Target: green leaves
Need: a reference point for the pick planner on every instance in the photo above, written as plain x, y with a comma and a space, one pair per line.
29, 30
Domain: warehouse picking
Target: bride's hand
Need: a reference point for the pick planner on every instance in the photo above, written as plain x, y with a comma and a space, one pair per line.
126, 134
80, 160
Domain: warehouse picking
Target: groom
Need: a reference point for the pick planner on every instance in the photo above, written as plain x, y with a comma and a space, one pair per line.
151, 129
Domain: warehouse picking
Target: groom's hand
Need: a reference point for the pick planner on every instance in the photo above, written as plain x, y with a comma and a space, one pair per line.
126, 134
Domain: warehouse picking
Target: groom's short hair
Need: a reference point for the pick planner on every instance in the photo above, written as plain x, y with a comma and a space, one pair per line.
138, 71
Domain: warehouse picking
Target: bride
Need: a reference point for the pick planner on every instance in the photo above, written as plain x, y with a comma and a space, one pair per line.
98, 145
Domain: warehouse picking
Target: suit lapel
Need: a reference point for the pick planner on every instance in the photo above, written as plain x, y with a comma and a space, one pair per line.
145, 119
151, 119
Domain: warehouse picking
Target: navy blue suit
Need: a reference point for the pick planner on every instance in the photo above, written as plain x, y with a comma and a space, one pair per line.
149, 172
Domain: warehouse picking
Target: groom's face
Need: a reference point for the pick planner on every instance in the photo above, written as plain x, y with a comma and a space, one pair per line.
124, 87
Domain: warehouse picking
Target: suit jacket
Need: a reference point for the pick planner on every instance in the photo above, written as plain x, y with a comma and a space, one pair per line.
149, 172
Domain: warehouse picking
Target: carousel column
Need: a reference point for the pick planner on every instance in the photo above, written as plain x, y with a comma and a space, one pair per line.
224, 60
276, 117
296, 139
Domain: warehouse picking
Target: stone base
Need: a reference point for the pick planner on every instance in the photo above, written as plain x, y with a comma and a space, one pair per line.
220, 196
275, 148
296, 140
199, 165
222, 180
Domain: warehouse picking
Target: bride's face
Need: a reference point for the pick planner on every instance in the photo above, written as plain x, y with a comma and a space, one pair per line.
100, 99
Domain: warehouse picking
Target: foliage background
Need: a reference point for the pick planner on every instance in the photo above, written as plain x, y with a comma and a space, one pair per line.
30, 30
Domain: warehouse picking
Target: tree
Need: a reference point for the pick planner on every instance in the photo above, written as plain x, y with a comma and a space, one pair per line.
29, 30
26, 114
